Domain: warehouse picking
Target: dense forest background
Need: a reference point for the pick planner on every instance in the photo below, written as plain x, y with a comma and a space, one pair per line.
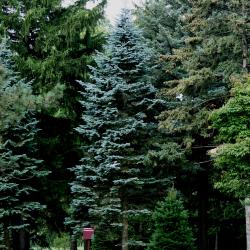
140, 130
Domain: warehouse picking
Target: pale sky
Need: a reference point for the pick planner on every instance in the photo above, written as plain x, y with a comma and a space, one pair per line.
113, 9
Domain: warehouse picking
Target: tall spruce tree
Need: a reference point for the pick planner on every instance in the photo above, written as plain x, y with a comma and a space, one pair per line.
113, 188
20, 169
54, 45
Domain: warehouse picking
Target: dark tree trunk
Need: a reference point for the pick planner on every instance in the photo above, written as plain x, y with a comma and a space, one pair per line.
125, 228
24, 240
203, 193
216, 241
21, 240
73, 244
244, 51
7, 238
247, 207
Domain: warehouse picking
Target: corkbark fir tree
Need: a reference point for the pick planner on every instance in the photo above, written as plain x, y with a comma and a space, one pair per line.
113, 185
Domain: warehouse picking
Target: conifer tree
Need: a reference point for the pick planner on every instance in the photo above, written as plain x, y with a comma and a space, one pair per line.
214, 44
215, 49
20, 207
20, 169
16, 94
54, 45
171, 227
213, 52
162, 23
113, 185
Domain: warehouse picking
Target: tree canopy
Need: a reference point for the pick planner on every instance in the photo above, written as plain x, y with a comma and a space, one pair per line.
98, 122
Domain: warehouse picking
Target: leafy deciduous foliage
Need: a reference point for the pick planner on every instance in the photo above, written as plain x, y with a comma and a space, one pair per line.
231, 156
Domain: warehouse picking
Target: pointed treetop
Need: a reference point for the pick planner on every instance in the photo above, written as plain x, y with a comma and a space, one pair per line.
125, 16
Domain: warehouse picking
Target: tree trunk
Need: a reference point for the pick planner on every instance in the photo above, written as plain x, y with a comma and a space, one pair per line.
244, 51
24, 240
203, 193
125, 228
73, 244
7, 238
216, 241
20, 240
247, 207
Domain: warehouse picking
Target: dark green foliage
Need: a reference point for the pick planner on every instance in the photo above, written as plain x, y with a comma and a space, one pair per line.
213, 52
113, 182
162, 23
200, 59
53, 47
20, 169
15, 94
214, 42
105, 240
171, 227
20, 172
230, 173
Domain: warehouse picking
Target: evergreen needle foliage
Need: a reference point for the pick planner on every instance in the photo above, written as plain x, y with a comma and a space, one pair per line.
52, 47
171, 228
124, 147
162, 23
20, 169
214, 46
112, 184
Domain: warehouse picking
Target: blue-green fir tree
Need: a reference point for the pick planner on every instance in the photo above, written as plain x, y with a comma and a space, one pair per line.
113, 185
20, 207
19, 167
